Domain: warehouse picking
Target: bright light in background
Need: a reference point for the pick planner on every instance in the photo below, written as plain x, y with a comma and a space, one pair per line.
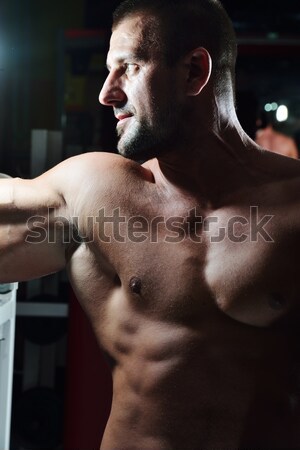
282, 113
268, 107
271, 106
274, 106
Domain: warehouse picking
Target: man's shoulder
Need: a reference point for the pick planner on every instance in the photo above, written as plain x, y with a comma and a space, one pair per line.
99, 174
275, 166
94, 166
284, 176
98, 161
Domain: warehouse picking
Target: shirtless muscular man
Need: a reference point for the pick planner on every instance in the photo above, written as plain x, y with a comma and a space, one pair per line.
182, 250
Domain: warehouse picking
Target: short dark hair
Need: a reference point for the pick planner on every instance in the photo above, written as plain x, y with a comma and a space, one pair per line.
179, 26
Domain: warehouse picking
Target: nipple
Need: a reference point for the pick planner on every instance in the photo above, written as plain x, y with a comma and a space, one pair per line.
276, 301
135, 285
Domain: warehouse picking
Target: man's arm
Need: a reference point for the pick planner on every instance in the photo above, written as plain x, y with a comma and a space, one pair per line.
41, 219
32, 238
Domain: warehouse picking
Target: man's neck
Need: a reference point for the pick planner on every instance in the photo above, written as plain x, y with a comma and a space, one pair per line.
209, 168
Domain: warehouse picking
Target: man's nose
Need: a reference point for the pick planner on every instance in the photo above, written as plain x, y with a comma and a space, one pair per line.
112, 93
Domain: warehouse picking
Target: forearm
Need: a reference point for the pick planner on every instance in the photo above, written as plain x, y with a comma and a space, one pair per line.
6, 193
25, 252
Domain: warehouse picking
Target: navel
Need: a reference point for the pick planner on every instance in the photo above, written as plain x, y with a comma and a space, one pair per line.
135, 285
277, 301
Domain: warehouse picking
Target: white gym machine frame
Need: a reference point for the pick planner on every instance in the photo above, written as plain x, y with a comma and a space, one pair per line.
7, 340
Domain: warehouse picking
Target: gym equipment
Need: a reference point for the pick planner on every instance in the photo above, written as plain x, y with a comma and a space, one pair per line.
7, 338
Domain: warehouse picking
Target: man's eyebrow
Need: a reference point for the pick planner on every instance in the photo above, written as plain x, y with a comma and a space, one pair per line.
136, 56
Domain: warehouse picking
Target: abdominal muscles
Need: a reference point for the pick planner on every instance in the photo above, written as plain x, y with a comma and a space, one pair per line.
178, 388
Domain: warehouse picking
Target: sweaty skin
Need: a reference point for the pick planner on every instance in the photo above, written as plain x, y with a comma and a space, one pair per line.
186, 267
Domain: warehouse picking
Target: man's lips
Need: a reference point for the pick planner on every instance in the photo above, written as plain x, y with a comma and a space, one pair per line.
123, 116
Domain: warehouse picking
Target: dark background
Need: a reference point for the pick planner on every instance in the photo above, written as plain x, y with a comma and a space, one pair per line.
33, 68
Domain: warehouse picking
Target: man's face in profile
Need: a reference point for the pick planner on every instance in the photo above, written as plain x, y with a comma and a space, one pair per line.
143, 93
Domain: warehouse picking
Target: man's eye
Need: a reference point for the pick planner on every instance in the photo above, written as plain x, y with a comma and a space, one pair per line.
131, 69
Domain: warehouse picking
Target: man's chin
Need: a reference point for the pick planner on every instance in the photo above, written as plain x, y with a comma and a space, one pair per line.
140, 154
136, 156
143, 147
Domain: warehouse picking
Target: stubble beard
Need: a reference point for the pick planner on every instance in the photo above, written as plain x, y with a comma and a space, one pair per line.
143, 140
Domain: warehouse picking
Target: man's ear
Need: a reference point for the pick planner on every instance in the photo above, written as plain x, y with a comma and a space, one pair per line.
199, 64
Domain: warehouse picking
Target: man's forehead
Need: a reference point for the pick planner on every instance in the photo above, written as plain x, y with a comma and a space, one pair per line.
127, 37
129, 30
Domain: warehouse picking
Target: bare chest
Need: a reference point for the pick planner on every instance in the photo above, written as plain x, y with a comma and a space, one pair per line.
180, 267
